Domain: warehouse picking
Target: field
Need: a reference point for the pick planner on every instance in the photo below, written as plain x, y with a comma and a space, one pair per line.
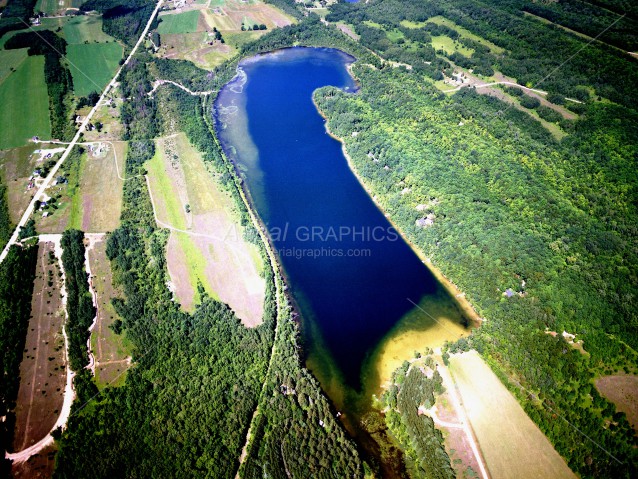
622, 390
42, 369
53, 7
178, 22
11, 60
85, 28
25, 104
225, 15
95, 206
93, 65
450, 46
109, 349
439, 20
210, 247
511, 443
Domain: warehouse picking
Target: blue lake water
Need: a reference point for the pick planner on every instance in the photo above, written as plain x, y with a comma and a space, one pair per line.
352, 276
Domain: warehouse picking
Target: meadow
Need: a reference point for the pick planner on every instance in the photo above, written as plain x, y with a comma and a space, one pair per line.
511, 443
93, 65
85, 28
179, 22
25, 104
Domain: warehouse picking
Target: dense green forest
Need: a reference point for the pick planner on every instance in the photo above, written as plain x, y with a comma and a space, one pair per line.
17, 273
421, 442
80, 311
56, 74
15, 15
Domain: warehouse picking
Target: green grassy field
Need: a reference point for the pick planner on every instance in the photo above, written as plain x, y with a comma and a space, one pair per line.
25, 104
85, 29
439, 20
449, 46
511, 443
93, 65
11, 59
179, 22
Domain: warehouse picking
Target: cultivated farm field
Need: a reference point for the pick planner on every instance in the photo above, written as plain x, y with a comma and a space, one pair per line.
93, 65
185, 22
85, 28
25, 104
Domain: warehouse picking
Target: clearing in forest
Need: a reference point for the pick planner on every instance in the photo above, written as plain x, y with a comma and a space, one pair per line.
211, 248
512, 445
622, 390
42, 370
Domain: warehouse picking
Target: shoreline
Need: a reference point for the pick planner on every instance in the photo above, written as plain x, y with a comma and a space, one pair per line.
451, 288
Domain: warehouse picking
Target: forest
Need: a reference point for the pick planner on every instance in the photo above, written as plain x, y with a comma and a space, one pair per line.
80, 312
421, 441
15, 14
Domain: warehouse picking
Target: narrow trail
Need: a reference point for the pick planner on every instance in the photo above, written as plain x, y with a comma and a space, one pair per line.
158, 83
38, 194
69, 392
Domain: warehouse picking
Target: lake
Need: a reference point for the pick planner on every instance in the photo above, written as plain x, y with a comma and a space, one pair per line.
354, 279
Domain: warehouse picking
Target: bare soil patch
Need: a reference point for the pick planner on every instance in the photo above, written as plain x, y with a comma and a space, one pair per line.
38, 466
42, 370
622, 390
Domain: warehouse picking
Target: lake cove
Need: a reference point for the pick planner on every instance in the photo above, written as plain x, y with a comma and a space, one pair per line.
354, 279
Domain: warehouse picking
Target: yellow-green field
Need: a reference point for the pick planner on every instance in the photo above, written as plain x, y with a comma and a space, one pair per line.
440, 20
94, 206
449, 46
25, 104
511, 443
210, 247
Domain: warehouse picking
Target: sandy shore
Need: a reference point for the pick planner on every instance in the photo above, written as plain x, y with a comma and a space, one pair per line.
449, 286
